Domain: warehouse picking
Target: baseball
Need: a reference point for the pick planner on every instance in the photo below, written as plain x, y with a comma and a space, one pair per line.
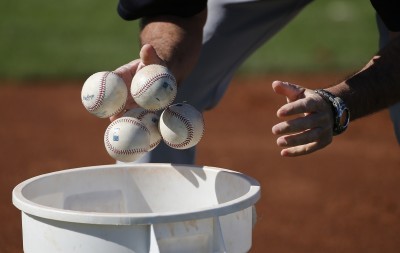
126, 139
104, 94
181, 126
153, 87
150, 120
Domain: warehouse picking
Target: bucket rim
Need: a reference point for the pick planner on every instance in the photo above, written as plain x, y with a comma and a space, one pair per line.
34, 209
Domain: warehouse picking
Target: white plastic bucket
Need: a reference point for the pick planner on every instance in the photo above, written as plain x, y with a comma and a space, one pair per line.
126, 208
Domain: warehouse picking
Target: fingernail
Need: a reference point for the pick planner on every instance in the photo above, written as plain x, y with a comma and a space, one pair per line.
275, 130
281, 142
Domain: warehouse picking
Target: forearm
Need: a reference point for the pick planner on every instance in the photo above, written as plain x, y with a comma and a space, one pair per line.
177, 40
376, 86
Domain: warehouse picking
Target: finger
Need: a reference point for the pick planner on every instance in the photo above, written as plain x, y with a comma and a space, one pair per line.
323, 136
303, 149
313, 120
148, 55
127, 71
291, 108
130, 103
119, 115
311, 103
129, 68
291, 91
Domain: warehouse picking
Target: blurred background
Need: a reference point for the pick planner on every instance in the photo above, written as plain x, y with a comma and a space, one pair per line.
50, 39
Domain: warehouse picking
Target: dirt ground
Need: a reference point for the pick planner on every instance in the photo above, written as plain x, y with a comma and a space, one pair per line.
344, 198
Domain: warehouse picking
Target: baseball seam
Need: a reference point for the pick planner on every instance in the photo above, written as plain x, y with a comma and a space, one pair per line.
188, 126
142, 114
150, 81
117, 111
122, 106
125, 151
102, 91
153, 145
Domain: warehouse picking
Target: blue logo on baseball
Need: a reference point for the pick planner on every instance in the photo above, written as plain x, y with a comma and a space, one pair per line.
116, 134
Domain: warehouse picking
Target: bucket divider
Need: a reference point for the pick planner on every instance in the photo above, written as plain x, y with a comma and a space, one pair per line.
153, 241
219, 244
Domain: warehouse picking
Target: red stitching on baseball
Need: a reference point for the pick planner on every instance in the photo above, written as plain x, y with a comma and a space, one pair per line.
117, 111
147, 84
154, 144
142, 114
102, 91
127, 151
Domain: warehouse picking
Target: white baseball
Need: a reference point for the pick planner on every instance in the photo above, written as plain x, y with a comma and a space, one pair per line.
126, 139
181, 126
104, 94
150, 120
153, 87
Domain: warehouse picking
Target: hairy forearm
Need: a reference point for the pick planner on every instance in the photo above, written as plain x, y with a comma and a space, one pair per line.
376, 86
177, 40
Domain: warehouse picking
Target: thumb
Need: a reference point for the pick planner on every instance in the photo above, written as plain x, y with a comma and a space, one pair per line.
292, 92
148, 55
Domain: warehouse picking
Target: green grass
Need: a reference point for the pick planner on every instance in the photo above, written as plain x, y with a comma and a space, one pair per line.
325, 36
72, 39
51, 39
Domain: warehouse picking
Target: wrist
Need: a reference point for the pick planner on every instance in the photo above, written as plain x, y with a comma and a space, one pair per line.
176, 40
341, 114
177, 45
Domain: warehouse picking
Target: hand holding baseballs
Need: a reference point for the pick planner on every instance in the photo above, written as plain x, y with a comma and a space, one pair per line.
136, 126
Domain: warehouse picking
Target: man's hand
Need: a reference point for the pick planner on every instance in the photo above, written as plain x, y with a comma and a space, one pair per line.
311, 120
